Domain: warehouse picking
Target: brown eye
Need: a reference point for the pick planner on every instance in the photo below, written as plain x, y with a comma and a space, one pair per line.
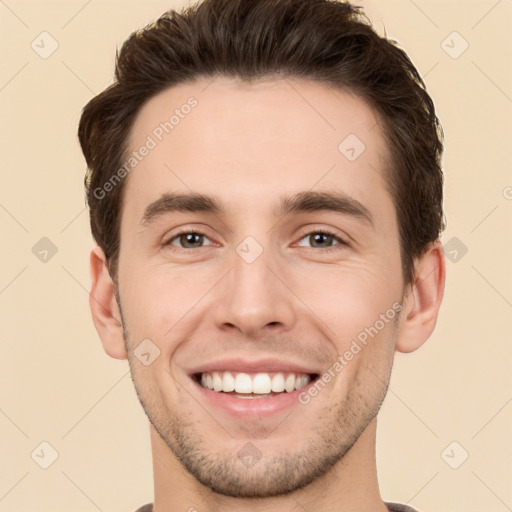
321, 240
188, 240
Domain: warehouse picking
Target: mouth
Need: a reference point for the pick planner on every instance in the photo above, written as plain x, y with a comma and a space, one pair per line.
253, 385
250, 389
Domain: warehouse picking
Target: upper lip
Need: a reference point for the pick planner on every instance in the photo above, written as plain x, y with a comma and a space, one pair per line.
254, 366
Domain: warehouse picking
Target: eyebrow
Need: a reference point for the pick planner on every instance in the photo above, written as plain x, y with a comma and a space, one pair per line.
335, 202
191, 202
302, 202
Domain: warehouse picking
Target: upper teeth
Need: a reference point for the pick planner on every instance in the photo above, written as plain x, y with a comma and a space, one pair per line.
259, 383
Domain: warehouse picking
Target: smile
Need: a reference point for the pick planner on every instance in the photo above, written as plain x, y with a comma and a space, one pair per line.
254, 385
251, 389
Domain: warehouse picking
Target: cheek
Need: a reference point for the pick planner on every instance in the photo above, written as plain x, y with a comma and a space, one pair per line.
350, 300
358, 309
159, 301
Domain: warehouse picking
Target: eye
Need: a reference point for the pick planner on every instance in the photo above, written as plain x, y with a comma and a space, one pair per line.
188, 240
322, 240
317, 240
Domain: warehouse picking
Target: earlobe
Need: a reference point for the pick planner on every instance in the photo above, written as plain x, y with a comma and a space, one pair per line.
104, 308
423, 300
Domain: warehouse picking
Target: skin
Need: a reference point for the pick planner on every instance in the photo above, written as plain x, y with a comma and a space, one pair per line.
250, 146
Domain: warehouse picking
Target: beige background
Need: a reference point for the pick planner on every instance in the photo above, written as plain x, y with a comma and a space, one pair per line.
58, 386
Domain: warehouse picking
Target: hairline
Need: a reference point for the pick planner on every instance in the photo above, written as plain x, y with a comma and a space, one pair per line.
386, 159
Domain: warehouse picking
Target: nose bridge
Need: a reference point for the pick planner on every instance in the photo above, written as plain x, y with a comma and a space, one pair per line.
252, 296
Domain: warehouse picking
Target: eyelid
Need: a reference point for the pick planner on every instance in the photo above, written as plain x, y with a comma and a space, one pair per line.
340, 238
186, 230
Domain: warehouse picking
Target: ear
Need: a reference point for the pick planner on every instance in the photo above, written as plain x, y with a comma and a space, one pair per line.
423, 300
104, 308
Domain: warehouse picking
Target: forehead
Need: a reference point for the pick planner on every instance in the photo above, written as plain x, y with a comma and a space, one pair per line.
243, 142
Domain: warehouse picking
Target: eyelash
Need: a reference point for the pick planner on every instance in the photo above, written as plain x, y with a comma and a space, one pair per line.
326, 232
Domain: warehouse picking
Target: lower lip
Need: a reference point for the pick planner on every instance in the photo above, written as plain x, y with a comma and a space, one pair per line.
250, 407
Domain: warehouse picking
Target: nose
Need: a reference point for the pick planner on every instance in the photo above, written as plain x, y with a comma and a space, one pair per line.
254, 299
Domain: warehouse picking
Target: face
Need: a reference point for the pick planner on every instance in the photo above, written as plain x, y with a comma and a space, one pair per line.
259, 248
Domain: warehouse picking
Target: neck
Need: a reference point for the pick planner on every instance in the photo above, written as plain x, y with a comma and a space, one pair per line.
351, 485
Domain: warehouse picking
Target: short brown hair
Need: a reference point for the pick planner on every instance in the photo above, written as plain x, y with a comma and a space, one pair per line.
325, 41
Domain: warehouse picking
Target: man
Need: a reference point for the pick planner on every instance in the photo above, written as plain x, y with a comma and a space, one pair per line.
265, 190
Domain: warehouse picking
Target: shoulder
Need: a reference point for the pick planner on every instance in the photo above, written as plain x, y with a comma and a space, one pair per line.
398, 507
393, 507
146, 508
